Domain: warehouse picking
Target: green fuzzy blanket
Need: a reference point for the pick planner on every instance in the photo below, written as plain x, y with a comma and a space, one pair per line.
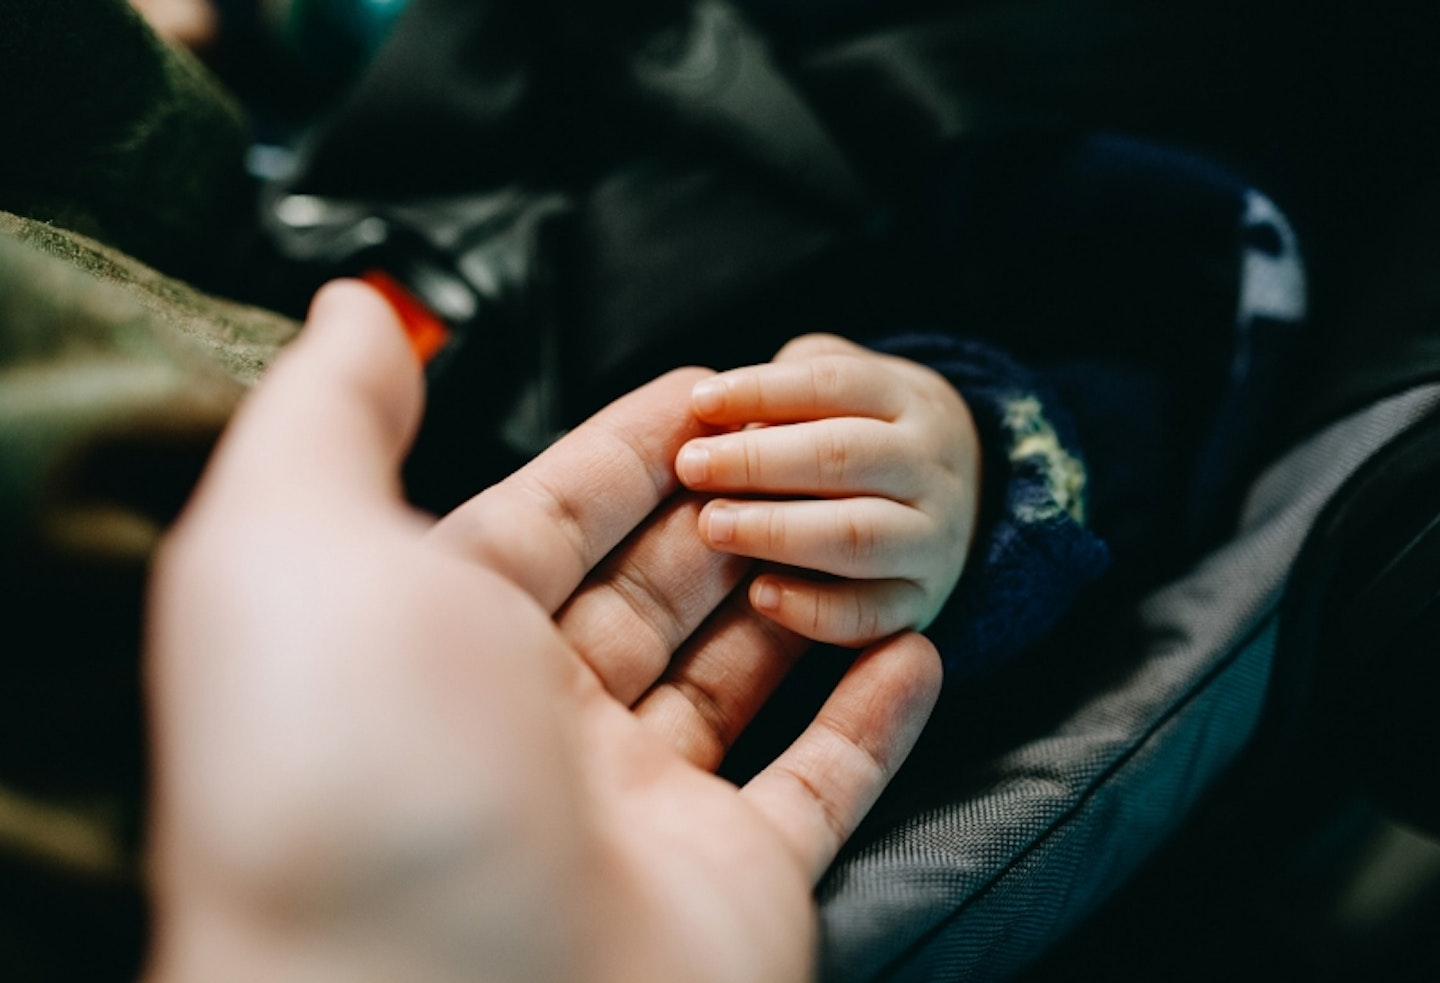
112, 133
123, 160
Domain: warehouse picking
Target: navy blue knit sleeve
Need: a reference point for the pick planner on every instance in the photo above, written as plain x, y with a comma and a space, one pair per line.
1033, 550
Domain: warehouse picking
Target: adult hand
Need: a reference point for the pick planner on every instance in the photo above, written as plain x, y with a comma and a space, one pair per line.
377, 755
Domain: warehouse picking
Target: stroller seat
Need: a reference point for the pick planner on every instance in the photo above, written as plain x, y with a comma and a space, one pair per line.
973, 871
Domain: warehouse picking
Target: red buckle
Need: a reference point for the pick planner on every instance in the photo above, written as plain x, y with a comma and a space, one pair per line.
427, 333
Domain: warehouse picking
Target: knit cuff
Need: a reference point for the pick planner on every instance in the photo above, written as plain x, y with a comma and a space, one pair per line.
1033, 550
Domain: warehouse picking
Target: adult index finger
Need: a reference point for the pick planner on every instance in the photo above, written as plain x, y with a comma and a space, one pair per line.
549, 524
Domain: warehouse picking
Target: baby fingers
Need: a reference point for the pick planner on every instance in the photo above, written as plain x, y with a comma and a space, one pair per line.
832, 384
846, 612
824, 458
856, 537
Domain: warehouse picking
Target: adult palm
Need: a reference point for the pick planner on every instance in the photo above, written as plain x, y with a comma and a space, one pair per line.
480, 748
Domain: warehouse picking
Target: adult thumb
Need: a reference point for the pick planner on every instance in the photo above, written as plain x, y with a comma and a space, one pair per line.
338, 410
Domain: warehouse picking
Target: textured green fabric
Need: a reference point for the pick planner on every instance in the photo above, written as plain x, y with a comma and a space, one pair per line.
114, 383
94, 343
115, 380
111, 132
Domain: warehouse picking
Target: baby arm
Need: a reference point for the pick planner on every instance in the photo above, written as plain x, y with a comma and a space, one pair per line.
856, 474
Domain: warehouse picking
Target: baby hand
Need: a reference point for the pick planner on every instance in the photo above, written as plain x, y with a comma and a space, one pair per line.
869, 467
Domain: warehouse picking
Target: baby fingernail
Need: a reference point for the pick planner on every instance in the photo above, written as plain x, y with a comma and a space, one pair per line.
708, 397
722, 525
693, 465
765, 595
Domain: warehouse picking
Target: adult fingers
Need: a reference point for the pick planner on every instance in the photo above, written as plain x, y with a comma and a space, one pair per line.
636, 610
852, 537
335, 414
820, 788
719, 681
833, 384
846, 456
550, 523
848, 612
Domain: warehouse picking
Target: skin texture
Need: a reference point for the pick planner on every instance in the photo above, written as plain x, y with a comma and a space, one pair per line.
861, 468
387, 747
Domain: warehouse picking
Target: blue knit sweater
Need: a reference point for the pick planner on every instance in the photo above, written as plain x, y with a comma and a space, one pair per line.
1131, 450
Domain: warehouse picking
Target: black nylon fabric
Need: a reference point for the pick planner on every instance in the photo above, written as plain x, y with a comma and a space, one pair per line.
980, 882
735, 183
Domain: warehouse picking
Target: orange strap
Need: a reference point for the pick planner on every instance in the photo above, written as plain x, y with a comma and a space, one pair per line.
427, 333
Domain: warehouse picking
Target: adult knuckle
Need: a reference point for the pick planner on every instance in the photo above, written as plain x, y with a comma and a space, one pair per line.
832, 815
651, 610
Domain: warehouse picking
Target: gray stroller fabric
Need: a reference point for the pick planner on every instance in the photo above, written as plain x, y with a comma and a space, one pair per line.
979, 883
